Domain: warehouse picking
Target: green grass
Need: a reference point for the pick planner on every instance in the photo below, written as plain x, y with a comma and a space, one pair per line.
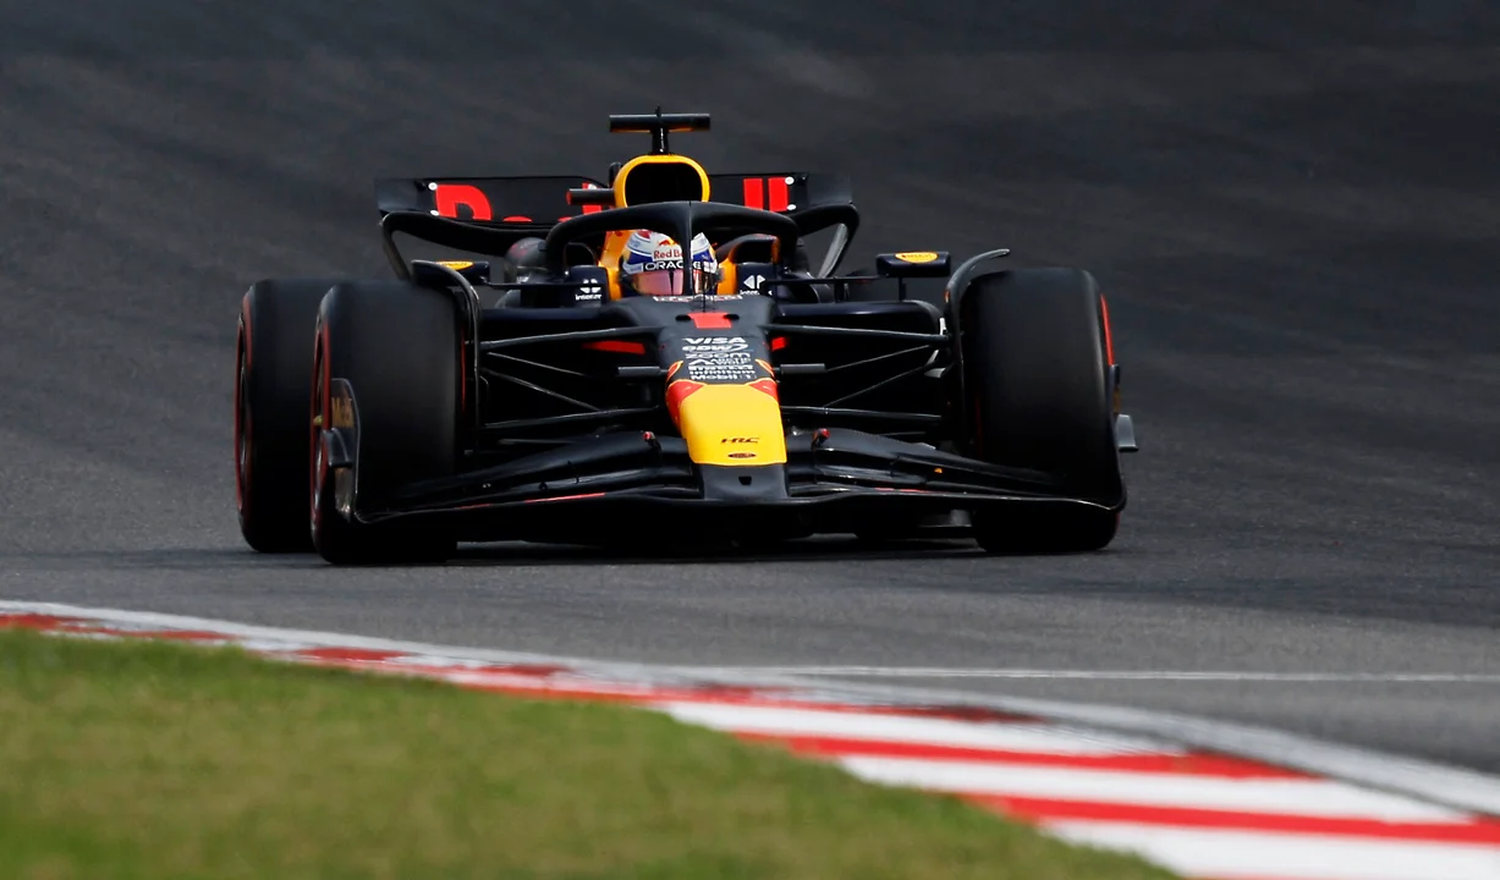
158, 760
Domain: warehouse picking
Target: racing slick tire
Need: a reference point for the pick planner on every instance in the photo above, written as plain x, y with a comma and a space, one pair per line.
397, 346
1037, 381
273, 357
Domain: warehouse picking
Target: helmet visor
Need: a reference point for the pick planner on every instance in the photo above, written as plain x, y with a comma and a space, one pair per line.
668, 282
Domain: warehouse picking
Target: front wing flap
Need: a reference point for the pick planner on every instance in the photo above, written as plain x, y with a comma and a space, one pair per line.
833, 480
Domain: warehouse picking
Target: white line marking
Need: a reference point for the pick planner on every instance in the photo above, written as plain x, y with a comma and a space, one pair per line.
936, 672
305, 638
1249, 854
1034, 738
1438, 783
1295, 797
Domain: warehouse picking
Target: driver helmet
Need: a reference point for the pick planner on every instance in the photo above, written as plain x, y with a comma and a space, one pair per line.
651, 265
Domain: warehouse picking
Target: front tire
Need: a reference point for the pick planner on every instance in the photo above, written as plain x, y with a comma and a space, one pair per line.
1037, 381
398, 347
273, 350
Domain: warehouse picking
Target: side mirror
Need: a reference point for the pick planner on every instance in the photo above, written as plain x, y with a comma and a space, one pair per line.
913, 264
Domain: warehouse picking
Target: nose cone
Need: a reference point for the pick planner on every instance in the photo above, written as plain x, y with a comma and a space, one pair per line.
729, 424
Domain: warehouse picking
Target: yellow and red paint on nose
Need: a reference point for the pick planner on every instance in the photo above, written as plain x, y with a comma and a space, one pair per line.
730, 423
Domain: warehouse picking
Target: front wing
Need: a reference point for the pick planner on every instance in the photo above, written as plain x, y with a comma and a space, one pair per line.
834, 480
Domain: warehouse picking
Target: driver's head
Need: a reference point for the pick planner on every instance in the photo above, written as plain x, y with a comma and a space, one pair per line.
651, 265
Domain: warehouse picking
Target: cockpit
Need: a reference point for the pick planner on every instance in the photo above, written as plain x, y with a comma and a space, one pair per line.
554, 229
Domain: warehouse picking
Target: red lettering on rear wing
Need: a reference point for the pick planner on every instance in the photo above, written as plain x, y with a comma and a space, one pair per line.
528, 201
542, 201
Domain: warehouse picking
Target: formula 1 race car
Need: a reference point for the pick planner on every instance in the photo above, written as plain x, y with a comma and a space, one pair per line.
532, 396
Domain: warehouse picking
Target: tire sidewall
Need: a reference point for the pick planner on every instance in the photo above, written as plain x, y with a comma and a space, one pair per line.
270, 400
1035, 392
399, 348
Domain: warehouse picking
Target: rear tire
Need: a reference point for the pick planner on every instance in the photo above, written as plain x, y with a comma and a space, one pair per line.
1037, 387
398, 348
273, 354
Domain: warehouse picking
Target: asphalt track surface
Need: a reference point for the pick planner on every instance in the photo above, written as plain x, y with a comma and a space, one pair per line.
1295, 209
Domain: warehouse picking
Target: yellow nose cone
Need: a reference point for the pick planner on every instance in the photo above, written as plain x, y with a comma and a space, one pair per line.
729, 424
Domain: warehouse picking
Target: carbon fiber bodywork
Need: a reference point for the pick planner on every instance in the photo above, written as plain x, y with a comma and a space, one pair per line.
864, 391
776, 399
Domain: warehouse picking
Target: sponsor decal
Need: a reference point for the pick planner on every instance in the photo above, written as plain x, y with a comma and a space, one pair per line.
697, 297
695, 345
769, 193
742, 455
719, 359
591, 289
740, 440
721, 366
917, 256
722, 358
450, 197
455, 200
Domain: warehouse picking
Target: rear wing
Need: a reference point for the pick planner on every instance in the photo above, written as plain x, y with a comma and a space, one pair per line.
527, 201
489, 214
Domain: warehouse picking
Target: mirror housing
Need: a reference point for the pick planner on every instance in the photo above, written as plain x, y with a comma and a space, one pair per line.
475, 272
913, 264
